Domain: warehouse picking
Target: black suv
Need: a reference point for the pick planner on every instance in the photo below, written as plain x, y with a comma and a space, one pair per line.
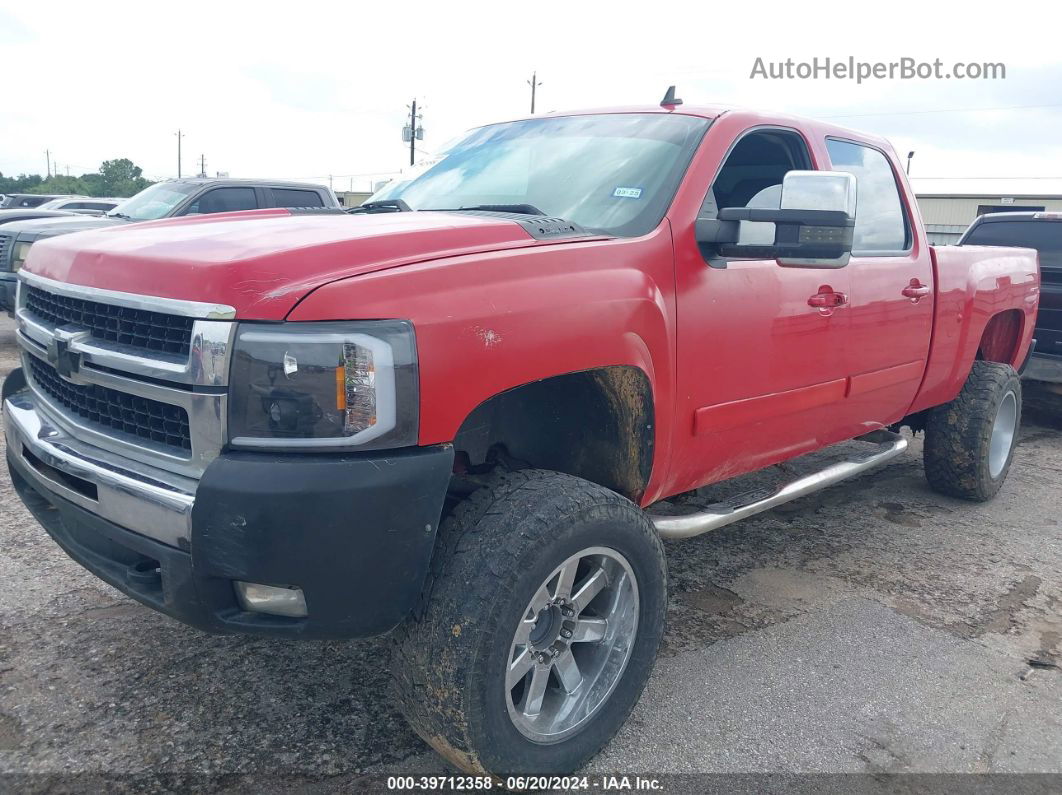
1043, 232
169, 199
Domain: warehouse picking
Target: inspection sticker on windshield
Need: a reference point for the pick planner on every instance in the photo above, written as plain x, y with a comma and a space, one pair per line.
627, 193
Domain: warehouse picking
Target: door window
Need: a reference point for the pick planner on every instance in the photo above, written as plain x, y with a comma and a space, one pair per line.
881, 223
290, 197
224, 200
752, 177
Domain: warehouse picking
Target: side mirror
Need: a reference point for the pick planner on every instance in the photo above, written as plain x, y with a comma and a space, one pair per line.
813, 222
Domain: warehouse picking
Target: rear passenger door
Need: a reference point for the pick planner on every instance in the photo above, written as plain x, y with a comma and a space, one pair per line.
224, 200
891, 283
296, 197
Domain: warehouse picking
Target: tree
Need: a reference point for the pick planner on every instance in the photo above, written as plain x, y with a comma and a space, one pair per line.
23, 183
60, 183
121, 177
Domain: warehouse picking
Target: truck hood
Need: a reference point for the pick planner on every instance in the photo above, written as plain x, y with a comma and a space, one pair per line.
262, 262
29, 214
40, 228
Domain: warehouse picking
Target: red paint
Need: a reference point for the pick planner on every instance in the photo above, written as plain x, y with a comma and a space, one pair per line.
875, 380
744, 413
744, 372
262, 261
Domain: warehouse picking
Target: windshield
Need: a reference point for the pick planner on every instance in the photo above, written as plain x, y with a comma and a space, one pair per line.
1044, 236
156, 201
612, 173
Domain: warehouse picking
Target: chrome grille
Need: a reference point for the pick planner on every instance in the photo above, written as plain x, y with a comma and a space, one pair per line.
139, 328
153, 420
113, 373
7, 244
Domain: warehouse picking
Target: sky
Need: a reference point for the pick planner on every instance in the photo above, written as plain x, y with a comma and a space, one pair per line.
305, 91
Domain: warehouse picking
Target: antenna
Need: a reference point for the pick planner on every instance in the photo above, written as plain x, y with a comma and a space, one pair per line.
669, 98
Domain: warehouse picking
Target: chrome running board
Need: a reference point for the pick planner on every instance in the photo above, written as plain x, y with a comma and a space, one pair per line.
719, 515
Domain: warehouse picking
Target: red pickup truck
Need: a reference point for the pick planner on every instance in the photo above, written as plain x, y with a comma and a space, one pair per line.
449, 414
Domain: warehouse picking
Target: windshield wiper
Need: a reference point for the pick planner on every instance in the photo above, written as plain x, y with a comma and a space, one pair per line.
381, 206
519, 209
119, 215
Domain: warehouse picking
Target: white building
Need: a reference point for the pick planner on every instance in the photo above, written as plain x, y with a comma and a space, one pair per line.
946, 215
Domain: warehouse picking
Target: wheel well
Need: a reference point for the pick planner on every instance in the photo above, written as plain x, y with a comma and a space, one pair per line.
595, 424
1001, 337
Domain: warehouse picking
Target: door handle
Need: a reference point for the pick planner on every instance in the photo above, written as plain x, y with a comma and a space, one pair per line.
827, 300
916, 290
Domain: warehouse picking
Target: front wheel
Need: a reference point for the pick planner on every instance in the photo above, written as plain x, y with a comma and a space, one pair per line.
970, 441
540, 628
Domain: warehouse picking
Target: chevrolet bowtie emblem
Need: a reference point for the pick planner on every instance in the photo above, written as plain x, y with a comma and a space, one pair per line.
60, 356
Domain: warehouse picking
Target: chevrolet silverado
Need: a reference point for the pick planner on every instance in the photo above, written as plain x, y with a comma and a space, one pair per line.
450, 415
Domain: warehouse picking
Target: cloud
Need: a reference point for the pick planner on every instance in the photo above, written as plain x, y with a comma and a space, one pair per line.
12, 31
324, 89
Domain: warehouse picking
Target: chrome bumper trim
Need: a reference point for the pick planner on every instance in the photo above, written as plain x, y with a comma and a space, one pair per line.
152, 502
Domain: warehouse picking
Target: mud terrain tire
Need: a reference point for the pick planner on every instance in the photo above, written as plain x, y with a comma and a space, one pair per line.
970, 441
498, 552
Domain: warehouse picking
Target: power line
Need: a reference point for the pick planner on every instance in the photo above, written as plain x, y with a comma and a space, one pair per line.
942, 110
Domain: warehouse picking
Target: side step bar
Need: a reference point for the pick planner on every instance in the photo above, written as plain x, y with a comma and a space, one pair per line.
719, 515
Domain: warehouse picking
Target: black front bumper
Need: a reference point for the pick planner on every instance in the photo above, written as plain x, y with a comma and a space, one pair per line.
355, 533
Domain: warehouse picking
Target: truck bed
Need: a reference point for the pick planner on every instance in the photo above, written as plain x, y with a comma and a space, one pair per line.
974, 284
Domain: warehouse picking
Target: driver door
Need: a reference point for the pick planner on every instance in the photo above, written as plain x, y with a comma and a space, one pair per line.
761, 360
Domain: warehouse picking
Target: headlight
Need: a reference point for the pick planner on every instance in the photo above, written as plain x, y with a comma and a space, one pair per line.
314, 385
18, 256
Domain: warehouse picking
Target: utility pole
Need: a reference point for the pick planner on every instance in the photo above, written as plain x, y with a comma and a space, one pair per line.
48, 160
202, 165
179, 135
413, 132
534, 83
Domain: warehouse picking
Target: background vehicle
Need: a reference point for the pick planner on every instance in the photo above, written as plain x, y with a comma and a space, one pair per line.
60, 208
161, 200
1043, 232
451, 414
16, 200
88, 205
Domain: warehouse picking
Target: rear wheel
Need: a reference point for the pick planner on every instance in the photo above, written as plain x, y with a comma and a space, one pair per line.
540, 628
970, 441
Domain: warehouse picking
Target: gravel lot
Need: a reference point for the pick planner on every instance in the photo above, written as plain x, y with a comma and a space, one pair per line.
874, 627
